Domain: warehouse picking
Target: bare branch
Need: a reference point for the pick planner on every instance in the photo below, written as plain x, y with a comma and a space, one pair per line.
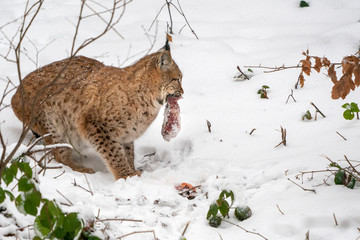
247, 231
305, 189
65, 198
137, 232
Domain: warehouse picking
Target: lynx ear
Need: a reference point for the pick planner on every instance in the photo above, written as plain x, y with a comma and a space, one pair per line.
165, 61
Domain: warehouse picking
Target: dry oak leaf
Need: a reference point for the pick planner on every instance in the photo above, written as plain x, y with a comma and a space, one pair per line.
348, 64
332, 74
326, 62
301, 79
306, 66
318, 64
357, 75
342, 87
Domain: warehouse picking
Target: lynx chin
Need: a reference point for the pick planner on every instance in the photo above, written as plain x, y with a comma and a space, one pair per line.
81, 99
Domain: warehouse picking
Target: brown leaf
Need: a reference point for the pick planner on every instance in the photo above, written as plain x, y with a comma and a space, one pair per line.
357, 75
326, 62
318, 64
301, 79
342, 87
332, 74
347, 67
169, 37
306, 66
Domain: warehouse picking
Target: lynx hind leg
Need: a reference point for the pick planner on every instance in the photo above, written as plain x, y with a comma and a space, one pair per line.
63, 155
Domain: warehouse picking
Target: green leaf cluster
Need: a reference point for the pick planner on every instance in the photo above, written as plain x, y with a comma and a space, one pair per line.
222, 207
54, 224
263, 91
51, 222
343, 177
351, 109
307, 116
303, 4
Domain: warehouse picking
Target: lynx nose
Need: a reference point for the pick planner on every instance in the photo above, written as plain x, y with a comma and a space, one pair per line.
179, 92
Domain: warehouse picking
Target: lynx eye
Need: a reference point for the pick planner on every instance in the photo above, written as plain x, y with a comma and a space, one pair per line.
176, 79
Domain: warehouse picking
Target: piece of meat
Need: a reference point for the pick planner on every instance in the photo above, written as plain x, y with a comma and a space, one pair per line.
171, 125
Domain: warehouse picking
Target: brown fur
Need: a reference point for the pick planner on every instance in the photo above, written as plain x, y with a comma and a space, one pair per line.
105, 106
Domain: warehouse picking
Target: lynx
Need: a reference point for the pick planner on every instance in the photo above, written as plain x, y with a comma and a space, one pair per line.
81, 99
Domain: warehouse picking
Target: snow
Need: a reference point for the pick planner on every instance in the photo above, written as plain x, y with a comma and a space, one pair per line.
231, 33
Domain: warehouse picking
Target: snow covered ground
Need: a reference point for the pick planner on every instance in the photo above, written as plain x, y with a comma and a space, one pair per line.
231, 33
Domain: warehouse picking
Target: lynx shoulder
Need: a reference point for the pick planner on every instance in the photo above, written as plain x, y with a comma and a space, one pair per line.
104, 106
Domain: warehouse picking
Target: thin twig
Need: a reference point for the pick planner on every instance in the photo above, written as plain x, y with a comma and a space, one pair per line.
341, 135
280, 209
137, 232
65, 198
77, 185
59, 175
183, 234
87, 181
247, 231
317, 109
291, 95
252, 131
336, 222
305, 189
208, 125
119, 219
354, 169
245, 76
283, 137
171, 22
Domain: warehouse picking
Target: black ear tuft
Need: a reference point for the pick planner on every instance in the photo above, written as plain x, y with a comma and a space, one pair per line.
167, 46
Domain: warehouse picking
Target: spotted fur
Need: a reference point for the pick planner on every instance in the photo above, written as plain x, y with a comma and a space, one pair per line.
105, 106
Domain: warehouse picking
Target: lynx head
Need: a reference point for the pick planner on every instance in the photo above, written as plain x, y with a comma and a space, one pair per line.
171, 76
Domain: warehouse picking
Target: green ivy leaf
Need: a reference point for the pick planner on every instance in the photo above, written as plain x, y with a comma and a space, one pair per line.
2, 195
354, 107
260, 91
304, 4
243, 213
223, 207
351, 184
226, 194
32, 202
41, 230
72, 223
334, 164
51, 215
59, 233
215, 221
348, 114
213, 210
19, 203
36, 238
25, 168
307, 115
25, 184
339, 177
265, 87
250, 70
9, 174
346, 106
11, 196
